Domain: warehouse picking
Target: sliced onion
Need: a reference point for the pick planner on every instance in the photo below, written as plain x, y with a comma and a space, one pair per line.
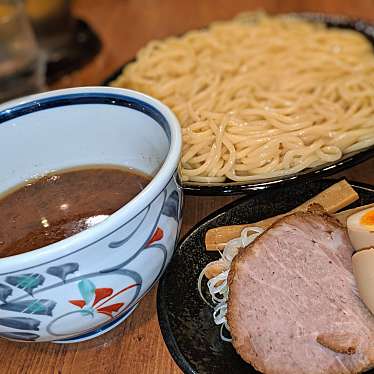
221, 334
199, 281
217, 286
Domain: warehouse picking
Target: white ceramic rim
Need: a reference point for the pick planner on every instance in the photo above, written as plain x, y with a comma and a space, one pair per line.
128, 211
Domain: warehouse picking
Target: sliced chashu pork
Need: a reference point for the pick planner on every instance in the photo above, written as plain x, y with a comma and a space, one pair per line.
293, 304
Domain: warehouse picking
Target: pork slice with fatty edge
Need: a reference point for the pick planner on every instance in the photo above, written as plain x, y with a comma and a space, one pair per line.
293, 303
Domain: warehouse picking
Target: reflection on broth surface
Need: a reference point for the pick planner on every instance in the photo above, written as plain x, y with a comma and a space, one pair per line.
63, 203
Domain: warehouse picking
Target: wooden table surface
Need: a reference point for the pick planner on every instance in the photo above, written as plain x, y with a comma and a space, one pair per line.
124, 26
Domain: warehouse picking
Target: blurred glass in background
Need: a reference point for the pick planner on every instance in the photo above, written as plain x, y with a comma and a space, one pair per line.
40, 42
52, 23
22, 63
69, 43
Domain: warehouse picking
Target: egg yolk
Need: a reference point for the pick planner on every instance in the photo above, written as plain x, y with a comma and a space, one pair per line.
368, 219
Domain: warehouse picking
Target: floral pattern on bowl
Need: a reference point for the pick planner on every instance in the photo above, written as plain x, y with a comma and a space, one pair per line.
82, 286
27, 297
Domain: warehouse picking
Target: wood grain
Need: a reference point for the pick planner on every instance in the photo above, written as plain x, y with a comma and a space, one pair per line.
124, 26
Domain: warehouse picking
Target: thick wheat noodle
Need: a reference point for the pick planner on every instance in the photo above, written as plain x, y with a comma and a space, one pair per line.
261, 96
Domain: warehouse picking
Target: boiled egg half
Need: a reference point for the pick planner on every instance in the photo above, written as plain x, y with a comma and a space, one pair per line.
363, 270
361, 229
361, 233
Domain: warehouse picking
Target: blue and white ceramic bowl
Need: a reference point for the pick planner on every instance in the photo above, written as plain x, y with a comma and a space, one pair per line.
83, 286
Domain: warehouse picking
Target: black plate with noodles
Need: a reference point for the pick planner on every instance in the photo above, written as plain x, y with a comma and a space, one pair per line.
186, 320
263, 100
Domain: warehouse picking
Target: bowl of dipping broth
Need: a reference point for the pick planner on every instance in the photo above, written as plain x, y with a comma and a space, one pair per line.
90, 209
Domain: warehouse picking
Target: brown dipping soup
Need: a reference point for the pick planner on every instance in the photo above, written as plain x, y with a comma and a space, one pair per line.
61, 204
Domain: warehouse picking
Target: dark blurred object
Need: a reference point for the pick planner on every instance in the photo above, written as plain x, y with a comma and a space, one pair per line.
22, 64
69, 43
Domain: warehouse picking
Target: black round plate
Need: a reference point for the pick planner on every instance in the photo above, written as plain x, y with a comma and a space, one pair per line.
347, 161
186, 321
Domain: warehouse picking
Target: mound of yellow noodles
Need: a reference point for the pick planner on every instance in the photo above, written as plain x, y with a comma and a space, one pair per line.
261, 96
